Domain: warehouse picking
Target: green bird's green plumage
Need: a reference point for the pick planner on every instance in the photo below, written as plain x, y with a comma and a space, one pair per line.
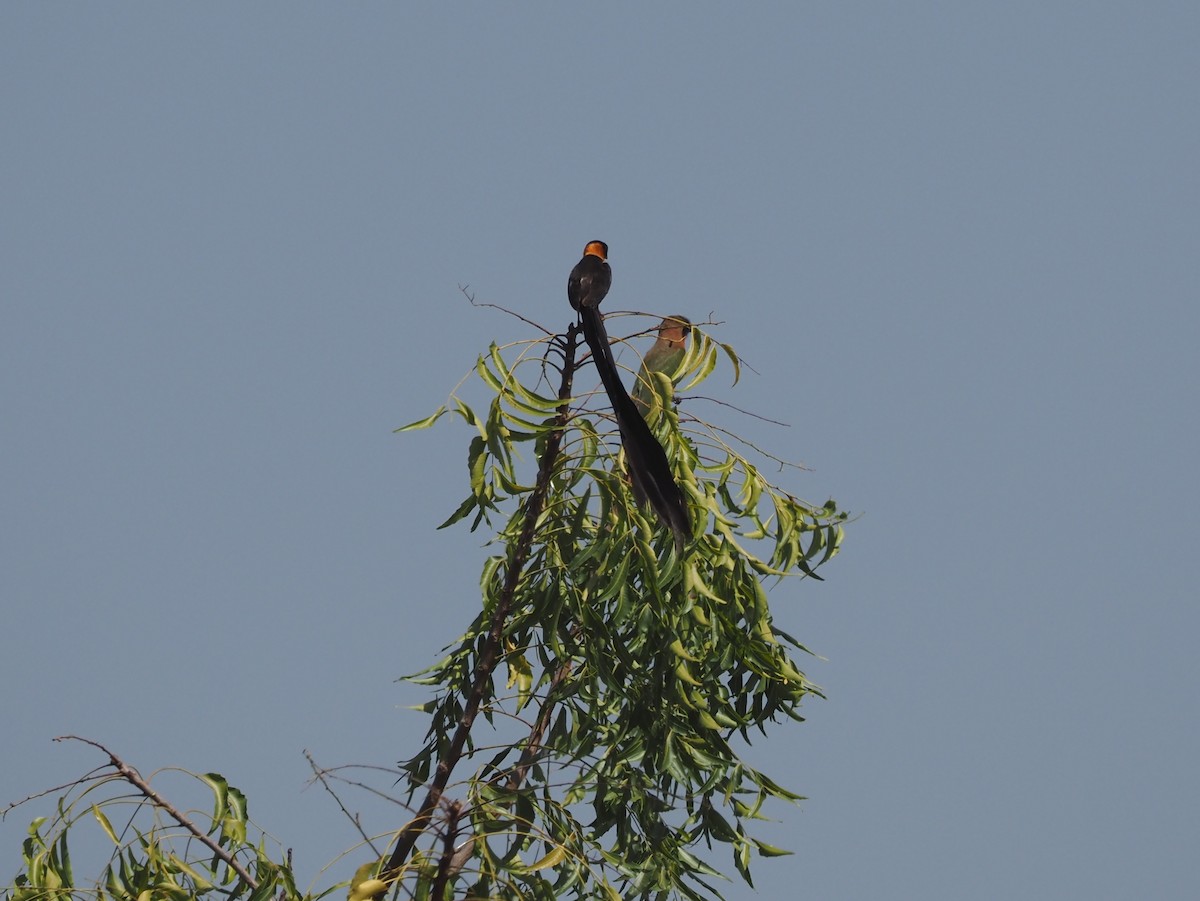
664, 357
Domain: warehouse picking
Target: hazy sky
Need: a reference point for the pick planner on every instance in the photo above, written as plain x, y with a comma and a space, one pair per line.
957, 241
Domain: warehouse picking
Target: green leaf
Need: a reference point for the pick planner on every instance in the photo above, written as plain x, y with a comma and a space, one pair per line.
105, 825
201, 884
770, 850
220, 790
422, 423
463, 509
735, 360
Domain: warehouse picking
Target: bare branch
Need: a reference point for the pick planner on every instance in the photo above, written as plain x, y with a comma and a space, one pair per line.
134, 778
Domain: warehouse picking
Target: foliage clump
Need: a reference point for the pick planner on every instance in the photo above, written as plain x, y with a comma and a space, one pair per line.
640, 664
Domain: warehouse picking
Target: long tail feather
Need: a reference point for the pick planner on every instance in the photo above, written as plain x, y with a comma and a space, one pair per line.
649, 468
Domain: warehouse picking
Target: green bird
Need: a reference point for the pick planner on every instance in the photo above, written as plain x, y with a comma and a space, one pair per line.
664, 357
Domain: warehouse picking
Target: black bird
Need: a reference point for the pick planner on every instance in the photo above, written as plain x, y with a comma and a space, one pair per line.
649, 469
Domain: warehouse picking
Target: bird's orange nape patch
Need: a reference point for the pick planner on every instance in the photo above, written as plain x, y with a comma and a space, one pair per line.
596, 249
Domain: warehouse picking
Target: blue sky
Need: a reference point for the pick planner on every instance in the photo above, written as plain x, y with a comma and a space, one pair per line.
956, 241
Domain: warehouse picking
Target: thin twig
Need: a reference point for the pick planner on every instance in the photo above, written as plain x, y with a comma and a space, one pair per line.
49, 791
320, 774
715, 430
134, 778
786, 425
369, 789
465, 289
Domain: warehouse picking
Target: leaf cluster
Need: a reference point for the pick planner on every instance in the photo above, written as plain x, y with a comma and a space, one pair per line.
642, 670
150, 854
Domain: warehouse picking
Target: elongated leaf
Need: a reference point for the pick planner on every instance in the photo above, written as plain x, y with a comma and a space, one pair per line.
422, 423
